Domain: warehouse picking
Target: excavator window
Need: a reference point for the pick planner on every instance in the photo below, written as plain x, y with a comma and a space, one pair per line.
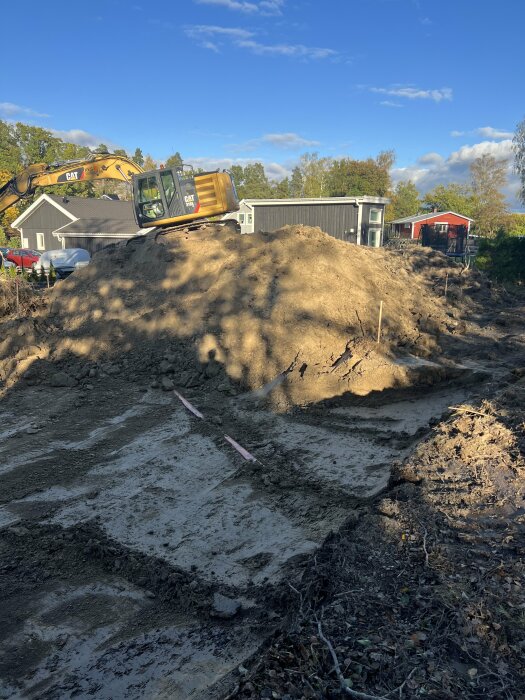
168, 183
150, 200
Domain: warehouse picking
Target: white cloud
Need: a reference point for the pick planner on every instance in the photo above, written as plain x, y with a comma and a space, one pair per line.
432, 169
211, 36
294, 50
412, 93
275, 171
486, 132
264, 7
82, 138
198, 30
390, 103
286, 141
8, 109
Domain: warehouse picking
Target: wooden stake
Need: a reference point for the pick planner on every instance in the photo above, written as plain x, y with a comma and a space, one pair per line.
379, 322
47, 278
446, 285
17, 297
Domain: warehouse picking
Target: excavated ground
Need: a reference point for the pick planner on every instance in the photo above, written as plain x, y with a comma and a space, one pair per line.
140, 554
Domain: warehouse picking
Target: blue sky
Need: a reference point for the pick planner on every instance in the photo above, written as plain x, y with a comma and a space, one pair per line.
223, 81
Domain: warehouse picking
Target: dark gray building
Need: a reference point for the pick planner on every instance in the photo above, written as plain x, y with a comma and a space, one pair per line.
53, 222
353, 219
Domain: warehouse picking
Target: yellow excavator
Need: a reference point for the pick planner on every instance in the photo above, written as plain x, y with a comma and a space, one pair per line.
165, 198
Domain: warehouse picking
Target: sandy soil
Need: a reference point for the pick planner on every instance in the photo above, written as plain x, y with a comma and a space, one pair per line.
140, 554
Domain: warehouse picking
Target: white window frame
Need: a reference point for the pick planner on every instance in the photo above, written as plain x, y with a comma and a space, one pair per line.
249, 219
242, 218
23, 239
376, 230
40, 242
379, 220
438, 226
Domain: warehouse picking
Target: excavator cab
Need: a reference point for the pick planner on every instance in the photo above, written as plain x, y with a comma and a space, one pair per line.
165, 195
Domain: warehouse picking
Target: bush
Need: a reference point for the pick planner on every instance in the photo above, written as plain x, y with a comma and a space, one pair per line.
503, 257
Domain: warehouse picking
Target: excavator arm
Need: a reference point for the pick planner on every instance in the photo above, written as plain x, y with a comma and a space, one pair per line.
97, 167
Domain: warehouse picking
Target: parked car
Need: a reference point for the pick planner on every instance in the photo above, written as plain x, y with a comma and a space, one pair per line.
23, 257
64, 261
4, 263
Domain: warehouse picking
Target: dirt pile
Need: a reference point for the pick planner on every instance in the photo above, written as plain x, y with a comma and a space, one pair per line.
292, 314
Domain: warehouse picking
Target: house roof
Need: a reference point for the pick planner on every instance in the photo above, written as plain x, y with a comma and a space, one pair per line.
87, 208
315, 200
428, 215
81, 208
97, 225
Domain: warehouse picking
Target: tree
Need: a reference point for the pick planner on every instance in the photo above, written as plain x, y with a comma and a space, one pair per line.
453, 197
351, 178
488, 177
138, 157
174, 160
237, 172
120, 152
519, 151
255, 183
281, 190
315, 173
297, 183
404, 200
515, 225
149, 163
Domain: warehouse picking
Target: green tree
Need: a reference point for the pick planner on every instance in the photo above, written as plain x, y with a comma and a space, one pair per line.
237, 172
350, 178
404, 201
120, 152
174, 160
490, 210
281, 190
149, 163
519, 156
297, 183
138, 157
315, 173
255, 183
452, 197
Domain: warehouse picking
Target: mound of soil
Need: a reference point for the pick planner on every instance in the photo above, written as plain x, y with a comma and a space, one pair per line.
294, 312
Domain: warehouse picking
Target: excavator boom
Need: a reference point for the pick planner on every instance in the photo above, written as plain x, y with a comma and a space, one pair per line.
165, 197
98, 167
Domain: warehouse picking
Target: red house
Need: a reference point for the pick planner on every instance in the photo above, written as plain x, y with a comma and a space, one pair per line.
441, 222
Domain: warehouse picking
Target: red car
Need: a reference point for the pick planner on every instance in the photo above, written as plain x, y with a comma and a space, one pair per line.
23, 257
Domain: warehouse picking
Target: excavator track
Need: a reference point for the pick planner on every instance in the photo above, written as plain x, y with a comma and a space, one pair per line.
199, 225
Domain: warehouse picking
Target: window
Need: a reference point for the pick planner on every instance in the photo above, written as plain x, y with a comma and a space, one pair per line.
150, 202
375, 216
406, 225
169, 185
374, 237
40, 242
441, 228
241, 219
249, 219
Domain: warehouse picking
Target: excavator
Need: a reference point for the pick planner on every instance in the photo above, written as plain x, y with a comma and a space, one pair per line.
166, 198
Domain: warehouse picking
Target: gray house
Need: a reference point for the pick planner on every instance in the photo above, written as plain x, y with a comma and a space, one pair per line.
353, 219
53, 222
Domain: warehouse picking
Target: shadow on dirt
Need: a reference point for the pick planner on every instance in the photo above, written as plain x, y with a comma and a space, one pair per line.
217, 325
